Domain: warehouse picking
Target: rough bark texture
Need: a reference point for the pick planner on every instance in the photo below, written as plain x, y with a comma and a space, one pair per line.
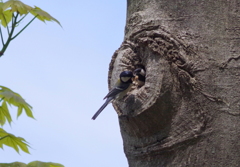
188, 111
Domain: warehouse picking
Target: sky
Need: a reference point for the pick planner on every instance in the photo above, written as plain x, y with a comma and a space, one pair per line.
62, 74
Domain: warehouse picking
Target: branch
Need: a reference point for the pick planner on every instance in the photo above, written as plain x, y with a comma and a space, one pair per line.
24, 28
22, 18
1, 36
6, 24
10, 35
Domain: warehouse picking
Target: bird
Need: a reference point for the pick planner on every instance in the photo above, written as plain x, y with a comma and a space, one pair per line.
139, 76
119, 90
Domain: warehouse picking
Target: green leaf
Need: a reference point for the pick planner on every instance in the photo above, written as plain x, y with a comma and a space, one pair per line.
4, 114
14, 164
55, 165
2, 134
17, 6
31, 164
43, 164
28, 110
5, 16
13, 141
21, 142
42, 15
2, 118
13, 98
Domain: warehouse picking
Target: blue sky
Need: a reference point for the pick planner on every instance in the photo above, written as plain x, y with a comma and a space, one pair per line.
62, 73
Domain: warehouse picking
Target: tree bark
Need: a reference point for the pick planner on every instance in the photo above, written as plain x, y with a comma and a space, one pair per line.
188, 111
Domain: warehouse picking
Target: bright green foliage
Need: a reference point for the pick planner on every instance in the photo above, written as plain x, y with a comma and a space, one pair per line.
13, 141
31, 164
43, 164
14, 164
4, 114
8, 97
5, 15
17, 6
12, 12
42, 15
12, 98
23, 9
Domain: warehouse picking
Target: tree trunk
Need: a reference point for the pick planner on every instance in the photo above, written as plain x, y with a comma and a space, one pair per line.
188, 111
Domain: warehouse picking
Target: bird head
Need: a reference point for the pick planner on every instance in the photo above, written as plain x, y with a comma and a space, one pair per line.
139, 71
126, 76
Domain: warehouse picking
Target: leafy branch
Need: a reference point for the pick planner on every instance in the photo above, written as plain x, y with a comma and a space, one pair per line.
10, 34
15, 11
12, 13
31, 164
8, 98
13, 141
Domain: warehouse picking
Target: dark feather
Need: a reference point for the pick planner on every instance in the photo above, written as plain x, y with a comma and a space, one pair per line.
117, 90
102, 108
